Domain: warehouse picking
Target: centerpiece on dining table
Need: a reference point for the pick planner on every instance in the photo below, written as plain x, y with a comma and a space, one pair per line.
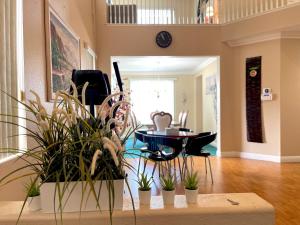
78, 161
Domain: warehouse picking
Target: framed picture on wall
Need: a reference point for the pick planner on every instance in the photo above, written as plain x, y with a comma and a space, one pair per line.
63, 52
211, 85
90, 58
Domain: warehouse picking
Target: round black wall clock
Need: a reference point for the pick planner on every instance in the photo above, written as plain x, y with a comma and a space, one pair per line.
163, 39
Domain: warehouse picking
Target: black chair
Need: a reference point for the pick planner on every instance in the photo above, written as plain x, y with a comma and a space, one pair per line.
157, 146
98, 88
194, 147
139, 135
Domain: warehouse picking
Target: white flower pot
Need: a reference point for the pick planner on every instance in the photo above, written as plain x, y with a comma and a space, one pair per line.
34, 203
76, 199
145, 197
191, 196
168, 197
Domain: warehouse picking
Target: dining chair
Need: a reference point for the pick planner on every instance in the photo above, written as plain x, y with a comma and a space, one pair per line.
139, 134
161, 121
134, 125
158, 146
180, 117
184, 119
194, 147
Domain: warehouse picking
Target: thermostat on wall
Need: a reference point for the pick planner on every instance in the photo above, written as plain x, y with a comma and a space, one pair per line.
267, 94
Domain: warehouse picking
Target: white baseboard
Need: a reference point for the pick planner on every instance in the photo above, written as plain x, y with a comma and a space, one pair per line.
257, 156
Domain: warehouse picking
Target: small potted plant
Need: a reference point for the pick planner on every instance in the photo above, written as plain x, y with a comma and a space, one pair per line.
33, 196
144, 183
168, 189
191, 187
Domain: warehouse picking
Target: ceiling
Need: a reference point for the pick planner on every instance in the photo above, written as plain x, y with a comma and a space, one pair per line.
161, 65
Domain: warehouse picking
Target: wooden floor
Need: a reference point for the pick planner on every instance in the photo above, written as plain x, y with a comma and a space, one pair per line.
277, 183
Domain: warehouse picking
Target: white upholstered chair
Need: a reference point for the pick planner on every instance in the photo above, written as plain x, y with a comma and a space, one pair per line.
180, 117
184, 119
162, 120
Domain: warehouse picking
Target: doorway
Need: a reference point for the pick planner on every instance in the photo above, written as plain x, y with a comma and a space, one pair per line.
174, 84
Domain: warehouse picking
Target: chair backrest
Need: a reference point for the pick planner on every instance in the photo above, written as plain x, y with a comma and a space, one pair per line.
184, 119
97, 90
162, 120
180, 117
155, 143
134, 123
196, 144
139, 135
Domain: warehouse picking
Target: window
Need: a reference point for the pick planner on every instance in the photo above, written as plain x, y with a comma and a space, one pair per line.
149, 95
12, 79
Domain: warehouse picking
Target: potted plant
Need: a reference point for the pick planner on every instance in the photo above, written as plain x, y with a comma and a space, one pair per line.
144, 183
191, 187
168, 188
33, 193
78, 157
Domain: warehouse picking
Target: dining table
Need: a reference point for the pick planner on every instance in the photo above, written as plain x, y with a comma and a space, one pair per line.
159, 135
179, 134
150, 125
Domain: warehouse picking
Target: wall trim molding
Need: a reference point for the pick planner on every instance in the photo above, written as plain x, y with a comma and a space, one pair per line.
261, 157
263, 38
254, 40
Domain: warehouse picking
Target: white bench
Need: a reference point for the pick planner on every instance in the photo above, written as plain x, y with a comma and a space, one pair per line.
212, 209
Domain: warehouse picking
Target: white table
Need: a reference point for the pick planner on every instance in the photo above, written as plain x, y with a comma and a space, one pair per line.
212, 209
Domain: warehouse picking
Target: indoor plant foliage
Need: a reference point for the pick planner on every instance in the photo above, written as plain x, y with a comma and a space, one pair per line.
191, 187
33, 192
144, 183
74, 146
168, 188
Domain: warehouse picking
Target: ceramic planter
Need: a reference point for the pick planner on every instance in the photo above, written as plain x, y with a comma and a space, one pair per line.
145, 197
34, 203
76, 199
191, 196
168, 197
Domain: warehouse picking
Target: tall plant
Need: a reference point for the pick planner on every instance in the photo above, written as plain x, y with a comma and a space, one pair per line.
73, 145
